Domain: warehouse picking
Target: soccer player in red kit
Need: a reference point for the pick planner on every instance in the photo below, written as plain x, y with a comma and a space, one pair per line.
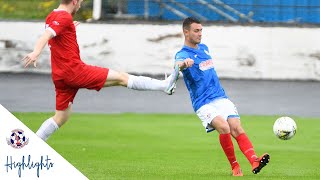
70, 73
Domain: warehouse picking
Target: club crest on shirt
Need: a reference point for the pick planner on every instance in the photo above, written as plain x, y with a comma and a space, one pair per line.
205, 65
17, 139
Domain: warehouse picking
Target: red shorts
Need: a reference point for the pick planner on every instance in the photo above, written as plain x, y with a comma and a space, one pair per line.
92, 77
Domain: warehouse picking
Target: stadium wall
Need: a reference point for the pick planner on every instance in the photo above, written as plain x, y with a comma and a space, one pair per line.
239, 52
270, 11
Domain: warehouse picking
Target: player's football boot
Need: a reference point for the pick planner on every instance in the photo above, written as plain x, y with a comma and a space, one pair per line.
260, 162
173, 78
236, 171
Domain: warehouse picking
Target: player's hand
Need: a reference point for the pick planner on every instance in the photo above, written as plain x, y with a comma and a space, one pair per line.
188, 62
76, 23
30, 58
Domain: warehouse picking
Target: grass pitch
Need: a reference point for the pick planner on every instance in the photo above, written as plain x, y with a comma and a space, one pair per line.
157, 146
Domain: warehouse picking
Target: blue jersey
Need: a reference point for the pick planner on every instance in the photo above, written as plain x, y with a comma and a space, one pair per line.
201, 79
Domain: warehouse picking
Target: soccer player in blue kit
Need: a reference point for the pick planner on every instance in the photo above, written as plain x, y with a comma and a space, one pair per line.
209, 99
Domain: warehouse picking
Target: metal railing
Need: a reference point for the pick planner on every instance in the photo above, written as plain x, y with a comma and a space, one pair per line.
285, 11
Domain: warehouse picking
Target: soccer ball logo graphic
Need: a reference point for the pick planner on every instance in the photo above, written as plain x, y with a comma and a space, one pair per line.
284, 128
17, 139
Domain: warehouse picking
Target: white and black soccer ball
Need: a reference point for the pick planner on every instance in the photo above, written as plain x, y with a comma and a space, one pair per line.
285, 128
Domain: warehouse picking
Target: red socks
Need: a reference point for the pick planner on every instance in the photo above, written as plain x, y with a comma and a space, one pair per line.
227, 146
246, 147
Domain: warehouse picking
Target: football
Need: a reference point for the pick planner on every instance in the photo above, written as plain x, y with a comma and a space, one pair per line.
285, 128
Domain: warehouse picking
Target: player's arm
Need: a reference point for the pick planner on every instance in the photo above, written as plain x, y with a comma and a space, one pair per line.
186, 63
42, 41
183, 61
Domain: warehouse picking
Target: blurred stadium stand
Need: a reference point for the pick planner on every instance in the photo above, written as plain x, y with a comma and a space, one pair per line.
258, 11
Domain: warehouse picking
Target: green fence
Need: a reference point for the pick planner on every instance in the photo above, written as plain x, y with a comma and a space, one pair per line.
37, 9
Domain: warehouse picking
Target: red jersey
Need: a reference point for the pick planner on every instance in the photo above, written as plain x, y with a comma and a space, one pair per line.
65, 53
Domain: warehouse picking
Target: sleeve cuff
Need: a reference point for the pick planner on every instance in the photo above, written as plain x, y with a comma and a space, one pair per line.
52, 31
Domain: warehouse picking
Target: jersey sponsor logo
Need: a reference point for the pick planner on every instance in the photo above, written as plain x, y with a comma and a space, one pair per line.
17, 139
205, 65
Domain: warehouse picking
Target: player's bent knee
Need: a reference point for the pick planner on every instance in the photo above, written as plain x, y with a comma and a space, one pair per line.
235, 127
223, 129
221, 125
236, 131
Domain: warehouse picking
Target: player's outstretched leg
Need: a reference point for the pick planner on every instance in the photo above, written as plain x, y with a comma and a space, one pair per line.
142, 83
173, 78
260, 162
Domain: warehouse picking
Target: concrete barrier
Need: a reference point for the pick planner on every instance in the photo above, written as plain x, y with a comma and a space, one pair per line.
239, 52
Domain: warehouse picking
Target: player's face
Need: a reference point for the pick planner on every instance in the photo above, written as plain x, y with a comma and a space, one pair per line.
194, 34
77, 6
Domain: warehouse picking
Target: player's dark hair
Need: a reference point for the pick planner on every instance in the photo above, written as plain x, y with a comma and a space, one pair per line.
188, 21
65, 1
